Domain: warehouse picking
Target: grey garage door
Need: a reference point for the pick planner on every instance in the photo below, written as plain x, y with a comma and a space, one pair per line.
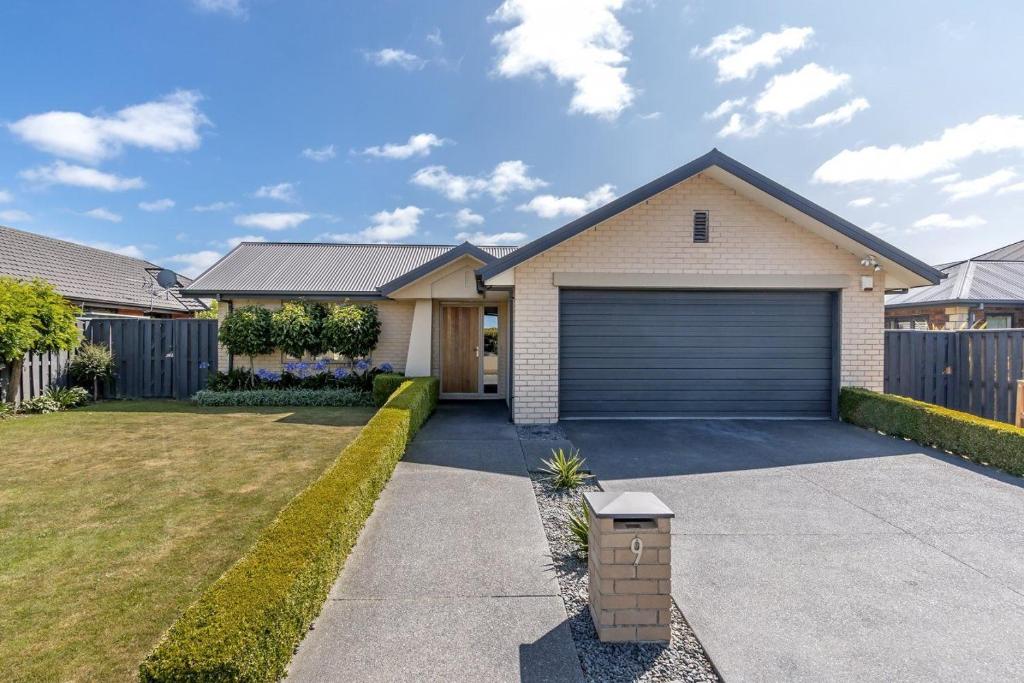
628, 353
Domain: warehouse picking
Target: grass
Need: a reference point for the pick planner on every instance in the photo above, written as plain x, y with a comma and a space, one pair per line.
114, 518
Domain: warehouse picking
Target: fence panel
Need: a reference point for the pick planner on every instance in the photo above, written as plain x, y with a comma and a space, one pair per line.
975, 371
154, 358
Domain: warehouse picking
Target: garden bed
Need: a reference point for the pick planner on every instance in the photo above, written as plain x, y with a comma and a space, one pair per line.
681, 660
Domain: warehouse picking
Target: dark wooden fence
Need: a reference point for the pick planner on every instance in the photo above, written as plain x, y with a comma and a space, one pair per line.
155, 358
975, 371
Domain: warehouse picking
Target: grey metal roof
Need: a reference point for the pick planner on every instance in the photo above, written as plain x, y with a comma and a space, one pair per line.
744, 173
1011, 252
83, 273
296, 268
972, 281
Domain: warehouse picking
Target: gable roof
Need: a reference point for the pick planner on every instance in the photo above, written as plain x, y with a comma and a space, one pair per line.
324, 268
994, 277
714, 158
82, 273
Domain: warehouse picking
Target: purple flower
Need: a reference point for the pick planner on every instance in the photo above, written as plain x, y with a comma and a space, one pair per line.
268, 376
362, 365
340, 373
386, 367
204, 365
320, 365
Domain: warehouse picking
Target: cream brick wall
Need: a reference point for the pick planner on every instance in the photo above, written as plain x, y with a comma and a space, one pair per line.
656, 237
393, 346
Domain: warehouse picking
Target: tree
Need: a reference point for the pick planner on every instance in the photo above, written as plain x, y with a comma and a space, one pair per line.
248, 331
351, 331
210, 313
92, 363
298, 328
34, 318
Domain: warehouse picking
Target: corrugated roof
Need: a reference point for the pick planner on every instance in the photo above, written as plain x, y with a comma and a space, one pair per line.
972, 281
317, 267
84, 273
1011, 252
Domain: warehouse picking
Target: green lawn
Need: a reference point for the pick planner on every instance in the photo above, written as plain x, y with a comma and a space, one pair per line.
113, 518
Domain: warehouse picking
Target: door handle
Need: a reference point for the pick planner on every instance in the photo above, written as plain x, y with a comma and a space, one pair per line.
477, 350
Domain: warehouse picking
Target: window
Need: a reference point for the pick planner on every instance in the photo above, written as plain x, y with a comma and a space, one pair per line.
490, 357
998, 322
701, 227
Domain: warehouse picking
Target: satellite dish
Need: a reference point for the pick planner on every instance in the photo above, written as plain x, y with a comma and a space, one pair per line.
166, 278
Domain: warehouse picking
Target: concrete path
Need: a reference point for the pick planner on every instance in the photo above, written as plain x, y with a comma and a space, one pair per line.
451, 578
820, 551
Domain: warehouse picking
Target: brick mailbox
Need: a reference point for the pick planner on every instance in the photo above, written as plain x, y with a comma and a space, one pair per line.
630, 566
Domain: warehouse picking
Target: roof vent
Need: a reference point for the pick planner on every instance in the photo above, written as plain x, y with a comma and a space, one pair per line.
701, 231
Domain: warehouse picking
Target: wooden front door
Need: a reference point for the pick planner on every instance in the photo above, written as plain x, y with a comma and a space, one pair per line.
460, 339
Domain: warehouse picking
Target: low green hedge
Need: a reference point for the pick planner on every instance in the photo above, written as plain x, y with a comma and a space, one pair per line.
246, 625
284, 397
384, 385
984, 441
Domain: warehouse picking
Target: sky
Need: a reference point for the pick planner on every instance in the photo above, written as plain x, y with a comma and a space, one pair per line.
172, 130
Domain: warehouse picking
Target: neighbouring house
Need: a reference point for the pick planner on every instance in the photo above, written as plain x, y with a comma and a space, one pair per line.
984, 291
100, 283
711, 291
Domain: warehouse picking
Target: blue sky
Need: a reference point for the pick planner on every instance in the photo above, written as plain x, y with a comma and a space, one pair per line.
171, 129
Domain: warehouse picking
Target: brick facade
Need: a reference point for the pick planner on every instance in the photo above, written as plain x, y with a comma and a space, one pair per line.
656, 237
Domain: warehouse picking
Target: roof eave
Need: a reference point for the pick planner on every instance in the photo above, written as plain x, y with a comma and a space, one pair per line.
228, 293
464, 249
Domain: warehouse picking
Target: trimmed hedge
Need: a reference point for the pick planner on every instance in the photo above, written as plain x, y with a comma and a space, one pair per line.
246, 625
984, 441
385, 385
284, 397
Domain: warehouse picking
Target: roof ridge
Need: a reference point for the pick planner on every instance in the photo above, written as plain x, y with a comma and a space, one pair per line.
979, 257
368, 244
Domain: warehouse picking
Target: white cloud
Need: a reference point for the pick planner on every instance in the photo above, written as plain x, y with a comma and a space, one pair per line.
465, 218
272, 221
840, 116
103, 214
284, 192
233, 242
862, 201
395, 57
492, 238
976, 187
195, 263
550, 206
738, 126
235, 8
652, 116
215, 206
325, 153
6, 197
387, 226
897, 163
61, 173
577, 41
791, 92
724, 108
943, 221
738, 59
157, 205
417, 145
507, 177
1016, 187
880, 228
14, 216
170, 124
434, 38
943, 179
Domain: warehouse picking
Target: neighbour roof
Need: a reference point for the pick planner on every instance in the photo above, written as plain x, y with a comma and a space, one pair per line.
994, 277
735, 168
298, 268
83, 273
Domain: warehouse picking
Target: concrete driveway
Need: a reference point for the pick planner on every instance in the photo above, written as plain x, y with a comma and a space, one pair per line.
820, 551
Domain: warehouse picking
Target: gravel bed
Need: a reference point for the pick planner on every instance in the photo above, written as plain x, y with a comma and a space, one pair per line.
682, 660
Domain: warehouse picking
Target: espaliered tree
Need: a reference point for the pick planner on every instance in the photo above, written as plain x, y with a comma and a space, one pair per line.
34, 318
298, 328
248, 331
351, 331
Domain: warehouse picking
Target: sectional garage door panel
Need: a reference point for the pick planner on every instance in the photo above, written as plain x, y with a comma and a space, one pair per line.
628, 353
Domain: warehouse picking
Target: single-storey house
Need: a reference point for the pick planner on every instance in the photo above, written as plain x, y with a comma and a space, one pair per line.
711, 291
98, 282
984, 291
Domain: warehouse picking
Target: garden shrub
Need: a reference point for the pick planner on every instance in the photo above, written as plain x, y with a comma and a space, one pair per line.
351, 330
90, 364
384, 385
248, 331
284, 397
246, 625
299, 375
56, 399
298, 328
984, 441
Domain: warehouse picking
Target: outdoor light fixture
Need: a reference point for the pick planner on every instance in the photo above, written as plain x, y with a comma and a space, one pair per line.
870, 261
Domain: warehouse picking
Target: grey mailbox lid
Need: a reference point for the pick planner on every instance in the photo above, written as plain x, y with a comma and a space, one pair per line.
628, 505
